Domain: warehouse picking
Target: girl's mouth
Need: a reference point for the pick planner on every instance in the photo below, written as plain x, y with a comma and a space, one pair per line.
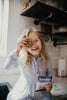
34, 49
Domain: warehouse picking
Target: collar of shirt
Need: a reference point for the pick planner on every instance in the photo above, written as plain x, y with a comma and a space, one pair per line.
37, 59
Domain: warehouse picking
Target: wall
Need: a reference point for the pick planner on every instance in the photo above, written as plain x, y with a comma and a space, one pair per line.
17, 23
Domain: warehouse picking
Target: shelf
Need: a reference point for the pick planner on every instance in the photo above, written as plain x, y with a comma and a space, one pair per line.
60, 37
44, 12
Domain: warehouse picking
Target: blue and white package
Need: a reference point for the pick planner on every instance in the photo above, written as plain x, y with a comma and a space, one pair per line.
42, 80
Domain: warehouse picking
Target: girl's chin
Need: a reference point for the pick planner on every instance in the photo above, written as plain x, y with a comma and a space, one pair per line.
36, 54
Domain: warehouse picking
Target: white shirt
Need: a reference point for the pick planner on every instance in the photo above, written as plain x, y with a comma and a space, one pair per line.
27, 82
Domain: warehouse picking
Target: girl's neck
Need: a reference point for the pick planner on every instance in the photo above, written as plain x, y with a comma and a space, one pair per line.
37, 56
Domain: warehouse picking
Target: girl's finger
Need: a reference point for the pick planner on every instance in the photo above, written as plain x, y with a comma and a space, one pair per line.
23, 40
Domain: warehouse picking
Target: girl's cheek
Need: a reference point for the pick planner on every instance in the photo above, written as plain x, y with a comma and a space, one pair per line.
39, 43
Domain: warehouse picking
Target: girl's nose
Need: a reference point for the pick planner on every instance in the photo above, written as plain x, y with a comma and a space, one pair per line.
34, 45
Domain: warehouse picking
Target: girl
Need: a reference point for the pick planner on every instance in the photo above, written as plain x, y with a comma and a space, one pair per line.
32, 59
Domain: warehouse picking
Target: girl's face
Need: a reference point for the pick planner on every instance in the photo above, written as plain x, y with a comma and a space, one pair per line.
36, 48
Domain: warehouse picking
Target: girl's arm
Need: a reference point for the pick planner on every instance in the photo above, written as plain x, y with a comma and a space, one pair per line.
49, 73
50, 69
12, 61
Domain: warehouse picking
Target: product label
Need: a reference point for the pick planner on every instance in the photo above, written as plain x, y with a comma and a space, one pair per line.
42, 80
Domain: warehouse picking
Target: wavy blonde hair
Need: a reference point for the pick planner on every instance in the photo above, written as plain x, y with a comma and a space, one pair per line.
44, 54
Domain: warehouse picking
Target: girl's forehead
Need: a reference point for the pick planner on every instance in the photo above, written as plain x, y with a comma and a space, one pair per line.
33, 35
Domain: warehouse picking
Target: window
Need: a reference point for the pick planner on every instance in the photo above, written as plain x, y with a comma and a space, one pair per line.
4, 13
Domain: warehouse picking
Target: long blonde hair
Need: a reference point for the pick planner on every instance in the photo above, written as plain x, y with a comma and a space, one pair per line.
44, 53
26, 60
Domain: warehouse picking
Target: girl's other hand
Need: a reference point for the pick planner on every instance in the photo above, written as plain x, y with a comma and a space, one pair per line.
48, 87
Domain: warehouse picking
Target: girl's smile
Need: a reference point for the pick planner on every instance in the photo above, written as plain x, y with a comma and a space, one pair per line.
34, 49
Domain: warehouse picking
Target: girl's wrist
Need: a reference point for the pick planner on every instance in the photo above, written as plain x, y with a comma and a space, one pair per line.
17, 52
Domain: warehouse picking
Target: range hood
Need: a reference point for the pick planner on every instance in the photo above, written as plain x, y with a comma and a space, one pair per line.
44, 12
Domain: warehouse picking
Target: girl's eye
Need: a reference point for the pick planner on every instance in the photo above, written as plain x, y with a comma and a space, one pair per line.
36, 40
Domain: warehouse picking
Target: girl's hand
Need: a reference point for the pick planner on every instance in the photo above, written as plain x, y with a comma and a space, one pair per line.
48, 87
20, 45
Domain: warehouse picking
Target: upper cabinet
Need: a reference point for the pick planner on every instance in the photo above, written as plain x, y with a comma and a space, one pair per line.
44, 12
